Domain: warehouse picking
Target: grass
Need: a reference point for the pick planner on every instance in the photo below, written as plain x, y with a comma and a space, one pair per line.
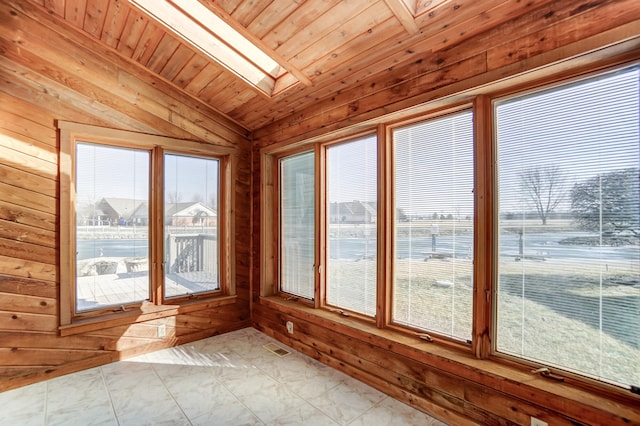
555, 318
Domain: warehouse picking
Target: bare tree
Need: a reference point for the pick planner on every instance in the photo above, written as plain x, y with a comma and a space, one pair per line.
174, 197
544, 187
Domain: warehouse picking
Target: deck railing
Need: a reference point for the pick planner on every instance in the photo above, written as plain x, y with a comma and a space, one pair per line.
192, 253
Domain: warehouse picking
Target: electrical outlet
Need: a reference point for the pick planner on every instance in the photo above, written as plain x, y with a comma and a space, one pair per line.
162, 330
289, 327
538, 422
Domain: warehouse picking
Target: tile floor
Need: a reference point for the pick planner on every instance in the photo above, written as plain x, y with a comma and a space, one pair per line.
223, 380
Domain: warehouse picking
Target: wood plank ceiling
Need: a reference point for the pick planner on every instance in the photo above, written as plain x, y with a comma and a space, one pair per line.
330, 45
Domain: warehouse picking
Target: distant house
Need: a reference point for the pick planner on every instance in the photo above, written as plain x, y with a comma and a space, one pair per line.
190, 214
121, 211
91, 215
353, 212
140, 215
126, 211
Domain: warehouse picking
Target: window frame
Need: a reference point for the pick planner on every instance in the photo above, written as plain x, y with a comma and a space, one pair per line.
325, 221
390, 143
485, 214
522, 91
157, 306
278, 228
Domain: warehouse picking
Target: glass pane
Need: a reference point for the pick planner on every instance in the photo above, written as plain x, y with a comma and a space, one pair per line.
297, 225
112, 226
569, 253
433, 287
352, 210
191, 249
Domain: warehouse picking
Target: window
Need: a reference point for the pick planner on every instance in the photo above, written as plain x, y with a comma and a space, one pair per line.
127, 248
191, 248
433, 265
568, 255
200, 26
297, 225
511, 228
352, 212
112, 226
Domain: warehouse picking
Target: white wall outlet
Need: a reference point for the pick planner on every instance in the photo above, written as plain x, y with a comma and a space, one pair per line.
162, 330
289, 327
538, 422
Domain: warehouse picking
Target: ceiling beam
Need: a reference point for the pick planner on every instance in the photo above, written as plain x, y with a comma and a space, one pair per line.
403, 14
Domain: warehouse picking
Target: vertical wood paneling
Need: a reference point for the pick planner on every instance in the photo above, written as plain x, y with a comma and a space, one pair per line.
74, 12
55, 6
177, 62
191, 69
96, 15
131, 33
148, 43
163, 53
247, 11
114, 22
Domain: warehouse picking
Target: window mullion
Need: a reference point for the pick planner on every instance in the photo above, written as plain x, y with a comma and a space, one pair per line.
320, 225
156, 242
483, 226
385, 227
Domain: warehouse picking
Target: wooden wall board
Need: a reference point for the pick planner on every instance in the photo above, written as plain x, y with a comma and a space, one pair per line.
21, 232
14, 120
457, 384
43, 82
14, 176
28, 304
28, 287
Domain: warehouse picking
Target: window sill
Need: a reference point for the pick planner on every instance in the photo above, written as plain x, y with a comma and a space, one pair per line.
146, 312
505, 376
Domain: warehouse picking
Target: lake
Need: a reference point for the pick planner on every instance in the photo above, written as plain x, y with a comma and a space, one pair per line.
543, 244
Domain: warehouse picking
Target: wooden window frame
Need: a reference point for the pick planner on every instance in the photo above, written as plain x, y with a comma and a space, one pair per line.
389, 190
484, 220
72, 322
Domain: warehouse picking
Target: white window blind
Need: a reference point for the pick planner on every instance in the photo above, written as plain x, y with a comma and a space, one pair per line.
297, 225
568, 292
433, 279
352, 229
112, 225
191, 243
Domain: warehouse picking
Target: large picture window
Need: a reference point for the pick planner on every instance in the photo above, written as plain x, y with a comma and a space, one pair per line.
433, 272
509, 227
568, 291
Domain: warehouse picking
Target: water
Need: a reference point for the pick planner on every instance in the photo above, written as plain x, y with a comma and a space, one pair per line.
89, 249
546, 245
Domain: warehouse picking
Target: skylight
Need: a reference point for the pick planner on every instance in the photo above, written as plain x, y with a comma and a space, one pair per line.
211, 35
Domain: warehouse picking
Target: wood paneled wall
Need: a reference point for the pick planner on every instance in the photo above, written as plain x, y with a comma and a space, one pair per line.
49, 72
557, 40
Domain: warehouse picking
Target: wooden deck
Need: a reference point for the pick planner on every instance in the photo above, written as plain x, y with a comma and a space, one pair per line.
122, 287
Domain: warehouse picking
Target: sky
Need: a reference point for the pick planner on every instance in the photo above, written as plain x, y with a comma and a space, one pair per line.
104, 171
